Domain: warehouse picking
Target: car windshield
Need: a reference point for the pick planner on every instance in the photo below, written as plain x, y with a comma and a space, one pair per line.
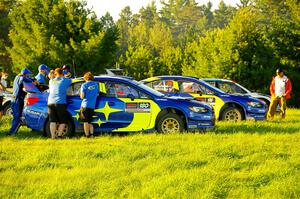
230, 87
147, 88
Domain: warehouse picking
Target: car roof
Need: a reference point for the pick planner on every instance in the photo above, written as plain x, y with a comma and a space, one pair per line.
106, 77
216, 80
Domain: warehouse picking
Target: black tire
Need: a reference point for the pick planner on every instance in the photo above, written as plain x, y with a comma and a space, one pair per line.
170, 123
7, 110
69, 131
232, 114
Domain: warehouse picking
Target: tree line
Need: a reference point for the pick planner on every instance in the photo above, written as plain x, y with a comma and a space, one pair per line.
245, 43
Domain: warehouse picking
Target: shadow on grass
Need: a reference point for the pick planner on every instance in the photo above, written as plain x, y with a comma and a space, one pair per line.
279, 127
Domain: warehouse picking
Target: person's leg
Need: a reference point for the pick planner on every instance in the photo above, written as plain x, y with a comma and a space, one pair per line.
61, 129
272, 108
91, 130
15, 125
282, 103
86, 128
53, 128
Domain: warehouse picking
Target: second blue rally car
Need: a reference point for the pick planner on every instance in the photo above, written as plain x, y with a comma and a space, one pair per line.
227, 106
122, 105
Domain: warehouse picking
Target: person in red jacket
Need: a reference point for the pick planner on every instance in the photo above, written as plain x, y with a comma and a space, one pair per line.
280, 89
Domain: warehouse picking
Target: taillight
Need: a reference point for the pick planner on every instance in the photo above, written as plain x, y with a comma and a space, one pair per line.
31, 100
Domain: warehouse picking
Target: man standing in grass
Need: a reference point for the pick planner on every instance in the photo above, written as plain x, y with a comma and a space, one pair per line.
17, 103
88, 93
57, 103
280, 89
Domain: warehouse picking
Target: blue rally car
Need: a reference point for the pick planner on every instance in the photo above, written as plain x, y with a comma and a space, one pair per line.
227, 106
122, 105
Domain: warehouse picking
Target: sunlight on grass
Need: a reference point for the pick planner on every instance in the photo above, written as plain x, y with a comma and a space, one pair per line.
237, 160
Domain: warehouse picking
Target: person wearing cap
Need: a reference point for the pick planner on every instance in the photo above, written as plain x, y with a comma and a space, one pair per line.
66, 71
88, 93
57, 103
17, 103
41, 76
280, 89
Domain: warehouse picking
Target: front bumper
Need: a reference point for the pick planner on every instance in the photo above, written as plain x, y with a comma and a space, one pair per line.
253, 116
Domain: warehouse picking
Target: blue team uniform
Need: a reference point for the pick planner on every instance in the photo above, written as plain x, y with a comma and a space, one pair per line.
17, 103
90, 90
58, 90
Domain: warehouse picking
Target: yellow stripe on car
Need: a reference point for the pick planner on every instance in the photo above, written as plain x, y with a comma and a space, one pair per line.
141, 120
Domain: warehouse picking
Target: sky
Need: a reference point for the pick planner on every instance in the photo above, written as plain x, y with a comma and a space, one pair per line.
114, 7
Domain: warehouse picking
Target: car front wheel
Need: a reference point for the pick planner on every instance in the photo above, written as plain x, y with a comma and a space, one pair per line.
170, 123
232, 114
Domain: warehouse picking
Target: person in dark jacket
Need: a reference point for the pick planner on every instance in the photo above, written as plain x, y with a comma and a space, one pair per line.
17, 103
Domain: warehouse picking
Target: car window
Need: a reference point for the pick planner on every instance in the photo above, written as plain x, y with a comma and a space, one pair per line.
229, 87
193, 87
74, 89
212, 83
121, 90
163, 85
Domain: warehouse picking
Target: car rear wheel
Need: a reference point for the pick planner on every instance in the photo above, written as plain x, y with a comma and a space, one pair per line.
232, 114
68, 131
7, 110
170, 123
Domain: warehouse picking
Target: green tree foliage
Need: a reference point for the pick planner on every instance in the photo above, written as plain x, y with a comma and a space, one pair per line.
56, 32
238, 52
223, 15
5, 9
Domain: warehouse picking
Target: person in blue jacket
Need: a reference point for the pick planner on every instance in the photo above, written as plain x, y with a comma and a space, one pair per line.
17, 103
57, 103
41, 76
88, 93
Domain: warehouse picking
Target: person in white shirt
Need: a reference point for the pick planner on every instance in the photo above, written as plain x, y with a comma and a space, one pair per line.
3, 85
280, 89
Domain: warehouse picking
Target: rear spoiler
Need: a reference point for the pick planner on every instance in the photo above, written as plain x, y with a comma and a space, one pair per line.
29, 87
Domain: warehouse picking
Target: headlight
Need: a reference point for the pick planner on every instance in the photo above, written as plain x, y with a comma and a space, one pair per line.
198, 109
255, 104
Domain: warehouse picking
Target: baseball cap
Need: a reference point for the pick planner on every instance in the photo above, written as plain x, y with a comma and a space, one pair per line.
43, 67
25, 71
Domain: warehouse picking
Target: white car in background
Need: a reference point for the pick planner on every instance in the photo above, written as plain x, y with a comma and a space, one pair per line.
232, 87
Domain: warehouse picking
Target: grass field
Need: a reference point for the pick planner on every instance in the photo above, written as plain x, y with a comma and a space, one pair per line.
243, 160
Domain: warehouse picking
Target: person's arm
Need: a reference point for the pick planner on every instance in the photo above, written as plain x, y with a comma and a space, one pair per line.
288, 87
2, 86
272, 87
82, 92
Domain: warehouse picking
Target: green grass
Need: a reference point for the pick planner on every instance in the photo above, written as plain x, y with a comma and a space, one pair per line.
243, 160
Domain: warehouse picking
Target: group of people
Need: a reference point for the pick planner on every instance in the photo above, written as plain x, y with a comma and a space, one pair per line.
60, 80
57, 102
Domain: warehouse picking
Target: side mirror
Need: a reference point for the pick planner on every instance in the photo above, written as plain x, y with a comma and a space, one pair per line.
199, 92
131, 97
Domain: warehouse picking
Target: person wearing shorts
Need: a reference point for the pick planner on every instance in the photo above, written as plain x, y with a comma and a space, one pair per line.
57, 103
88, 91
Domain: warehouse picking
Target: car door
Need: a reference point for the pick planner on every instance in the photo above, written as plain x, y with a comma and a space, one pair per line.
127, 108
201, 93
